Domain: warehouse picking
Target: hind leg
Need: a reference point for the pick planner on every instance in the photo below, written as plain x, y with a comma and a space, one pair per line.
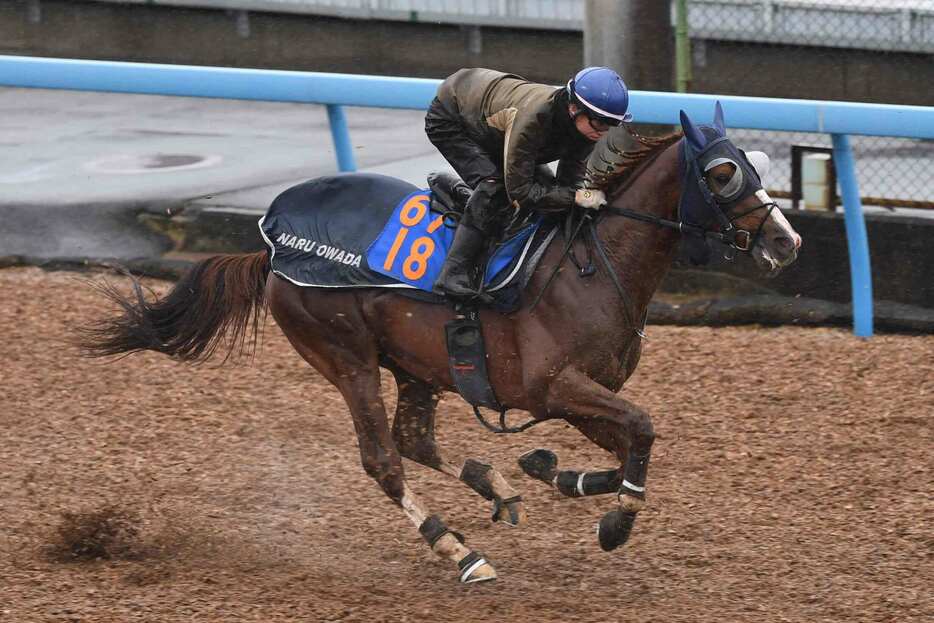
348, 359
413, 431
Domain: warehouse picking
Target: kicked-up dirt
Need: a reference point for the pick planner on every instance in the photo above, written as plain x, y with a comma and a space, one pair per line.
791, 481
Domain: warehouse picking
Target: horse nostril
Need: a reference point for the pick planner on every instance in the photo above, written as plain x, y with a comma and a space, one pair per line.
784, 243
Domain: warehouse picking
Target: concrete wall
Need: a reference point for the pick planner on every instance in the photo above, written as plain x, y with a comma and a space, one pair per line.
295, 42
307, 42
901, 257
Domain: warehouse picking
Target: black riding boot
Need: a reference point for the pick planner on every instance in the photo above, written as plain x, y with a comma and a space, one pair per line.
455, 279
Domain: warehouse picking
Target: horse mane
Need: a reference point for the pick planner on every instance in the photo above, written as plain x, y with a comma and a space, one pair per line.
618, 168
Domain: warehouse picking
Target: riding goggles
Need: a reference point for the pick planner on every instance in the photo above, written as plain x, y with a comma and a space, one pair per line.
602, 124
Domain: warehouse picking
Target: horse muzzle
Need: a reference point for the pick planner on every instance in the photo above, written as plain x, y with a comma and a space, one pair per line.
774, 253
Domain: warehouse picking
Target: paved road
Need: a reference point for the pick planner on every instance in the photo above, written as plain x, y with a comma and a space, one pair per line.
75, 162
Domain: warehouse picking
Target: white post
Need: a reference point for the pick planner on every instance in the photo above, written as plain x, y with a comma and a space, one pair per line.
815, 181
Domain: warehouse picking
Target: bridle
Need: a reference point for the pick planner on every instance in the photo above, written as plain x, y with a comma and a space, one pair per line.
728, 234
732, 237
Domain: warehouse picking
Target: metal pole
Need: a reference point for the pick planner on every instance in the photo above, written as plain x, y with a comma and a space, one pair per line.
341, 136
634, 37
856, 239
682, 47
604, 32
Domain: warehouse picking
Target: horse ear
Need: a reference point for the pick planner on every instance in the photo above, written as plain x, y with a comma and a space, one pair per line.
718, 119
695, 137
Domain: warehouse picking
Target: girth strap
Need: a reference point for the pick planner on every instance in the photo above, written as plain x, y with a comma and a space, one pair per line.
467, 361
502, 422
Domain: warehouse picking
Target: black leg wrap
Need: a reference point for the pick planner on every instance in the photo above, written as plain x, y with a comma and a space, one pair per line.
575, 484
468, 560
567, 483
614, 529
510, 504
597, 483
637, 468
540, 464
433, 529
476, 475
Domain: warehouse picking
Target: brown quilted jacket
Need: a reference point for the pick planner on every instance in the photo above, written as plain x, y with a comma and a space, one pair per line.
529, 124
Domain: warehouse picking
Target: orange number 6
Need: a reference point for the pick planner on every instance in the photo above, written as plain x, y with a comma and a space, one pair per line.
420, 204
416, 263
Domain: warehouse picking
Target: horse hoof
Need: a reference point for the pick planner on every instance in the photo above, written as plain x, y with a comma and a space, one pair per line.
510, 511
541, 464
475, 568
613, 530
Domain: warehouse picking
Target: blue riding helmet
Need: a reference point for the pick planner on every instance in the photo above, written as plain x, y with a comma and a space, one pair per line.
602, 94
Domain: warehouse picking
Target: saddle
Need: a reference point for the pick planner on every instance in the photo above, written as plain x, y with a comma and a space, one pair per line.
464, 336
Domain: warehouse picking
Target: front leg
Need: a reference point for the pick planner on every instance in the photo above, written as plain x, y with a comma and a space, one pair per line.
614, 424
542, 464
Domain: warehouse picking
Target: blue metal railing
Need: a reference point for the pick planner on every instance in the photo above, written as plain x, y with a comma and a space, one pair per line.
839, 119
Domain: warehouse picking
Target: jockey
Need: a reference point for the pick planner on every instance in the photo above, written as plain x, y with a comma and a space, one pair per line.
499, 131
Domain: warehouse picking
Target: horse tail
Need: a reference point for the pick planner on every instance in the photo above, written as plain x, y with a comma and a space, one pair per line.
215, 302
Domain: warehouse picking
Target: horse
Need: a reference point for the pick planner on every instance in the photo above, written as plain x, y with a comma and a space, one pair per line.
564, 357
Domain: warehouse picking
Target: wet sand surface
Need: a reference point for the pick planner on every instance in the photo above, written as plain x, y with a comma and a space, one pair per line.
791, 481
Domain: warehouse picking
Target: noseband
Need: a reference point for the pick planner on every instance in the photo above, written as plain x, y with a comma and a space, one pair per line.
741, 239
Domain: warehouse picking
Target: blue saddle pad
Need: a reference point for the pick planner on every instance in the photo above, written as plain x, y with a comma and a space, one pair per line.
415, 240
367, 230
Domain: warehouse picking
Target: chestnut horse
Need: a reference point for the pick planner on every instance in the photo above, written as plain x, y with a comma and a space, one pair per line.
565, 357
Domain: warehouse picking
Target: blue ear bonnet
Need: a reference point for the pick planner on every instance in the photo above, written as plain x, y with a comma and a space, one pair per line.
701, 146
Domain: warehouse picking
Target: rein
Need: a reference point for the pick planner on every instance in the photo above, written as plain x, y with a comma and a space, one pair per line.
738, 239
564, 254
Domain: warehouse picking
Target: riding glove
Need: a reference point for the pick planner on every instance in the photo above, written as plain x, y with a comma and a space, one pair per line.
590, 198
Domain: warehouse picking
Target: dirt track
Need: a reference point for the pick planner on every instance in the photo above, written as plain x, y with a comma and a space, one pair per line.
791, 481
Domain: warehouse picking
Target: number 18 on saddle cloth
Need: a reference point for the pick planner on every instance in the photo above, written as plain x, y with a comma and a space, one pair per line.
415, 241
413, 244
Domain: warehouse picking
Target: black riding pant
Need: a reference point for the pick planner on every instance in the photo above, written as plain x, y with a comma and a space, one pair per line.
488, 209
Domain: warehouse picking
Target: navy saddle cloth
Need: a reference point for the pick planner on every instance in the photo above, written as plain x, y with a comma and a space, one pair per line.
368, 230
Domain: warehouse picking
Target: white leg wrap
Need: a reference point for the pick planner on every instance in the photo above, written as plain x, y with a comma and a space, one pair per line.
629, 485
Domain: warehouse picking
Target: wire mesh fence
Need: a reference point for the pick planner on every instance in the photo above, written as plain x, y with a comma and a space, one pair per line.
848, 50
